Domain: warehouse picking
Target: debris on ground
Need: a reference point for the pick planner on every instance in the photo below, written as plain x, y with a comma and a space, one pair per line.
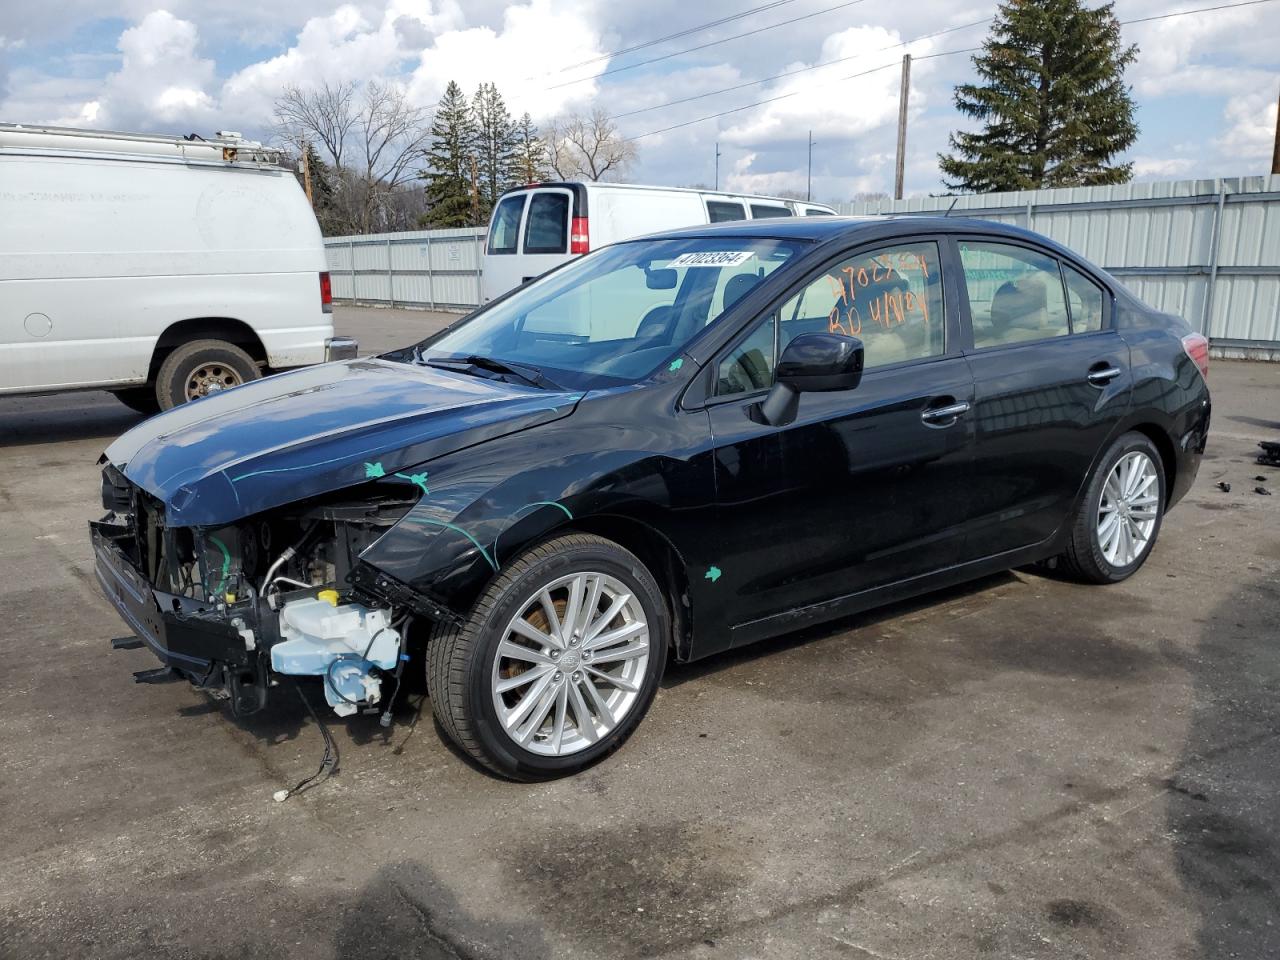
1262, 490
1270, 455
1224, 486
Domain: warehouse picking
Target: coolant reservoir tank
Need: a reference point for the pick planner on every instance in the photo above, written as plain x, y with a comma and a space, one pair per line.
314, 632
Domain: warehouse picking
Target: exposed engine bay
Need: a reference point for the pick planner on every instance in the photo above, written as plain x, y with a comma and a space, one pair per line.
232, 608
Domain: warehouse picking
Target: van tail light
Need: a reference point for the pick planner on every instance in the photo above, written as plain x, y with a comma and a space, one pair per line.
579, 236
326, 293
1197, 347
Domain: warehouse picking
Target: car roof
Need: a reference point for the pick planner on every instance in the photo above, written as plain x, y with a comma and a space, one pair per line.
820, 229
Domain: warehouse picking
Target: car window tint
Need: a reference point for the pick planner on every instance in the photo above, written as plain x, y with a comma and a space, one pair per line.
1015, 294
506, 225
764, 210
720, 211
1084, 298
547, 226
749, 366
890, 298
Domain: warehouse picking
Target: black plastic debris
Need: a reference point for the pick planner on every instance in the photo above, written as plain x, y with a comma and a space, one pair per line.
1270, 455
1260, 478
1224, 486
1262, 490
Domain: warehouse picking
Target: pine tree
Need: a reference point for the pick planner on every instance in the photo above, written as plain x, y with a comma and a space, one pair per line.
450, 159
1053, 101
495, 145
531, 153
323, 200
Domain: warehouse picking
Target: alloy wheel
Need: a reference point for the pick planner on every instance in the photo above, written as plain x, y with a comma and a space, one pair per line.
570, 664
1128, 509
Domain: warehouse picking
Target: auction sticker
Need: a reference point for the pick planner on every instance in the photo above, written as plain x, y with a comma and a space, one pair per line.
712, 258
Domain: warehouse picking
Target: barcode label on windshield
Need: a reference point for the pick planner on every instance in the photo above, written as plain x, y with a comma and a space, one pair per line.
722, 258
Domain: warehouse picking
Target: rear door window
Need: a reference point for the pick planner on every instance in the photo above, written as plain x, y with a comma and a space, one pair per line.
547, 226
1015, 294
721, 211
1084, 300
763, 210
504, 233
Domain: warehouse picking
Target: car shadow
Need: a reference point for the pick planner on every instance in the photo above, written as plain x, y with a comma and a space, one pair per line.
26, 421
1222, 801
677, 674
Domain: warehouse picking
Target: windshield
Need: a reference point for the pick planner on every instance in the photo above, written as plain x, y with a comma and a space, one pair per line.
617, 314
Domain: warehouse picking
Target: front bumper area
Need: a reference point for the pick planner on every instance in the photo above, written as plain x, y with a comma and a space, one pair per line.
194, 639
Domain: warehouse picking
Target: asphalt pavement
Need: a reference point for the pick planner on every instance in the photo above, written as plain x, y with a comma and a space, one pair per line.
1022, 767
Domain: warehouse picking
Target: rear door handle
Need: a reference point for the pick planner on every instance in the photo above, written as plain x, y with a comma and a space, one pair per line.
1101, 376
944, 416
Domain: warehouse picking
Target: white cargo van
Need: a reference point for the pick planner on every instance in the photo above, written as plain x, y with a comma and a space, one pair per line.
537, 227
160, 268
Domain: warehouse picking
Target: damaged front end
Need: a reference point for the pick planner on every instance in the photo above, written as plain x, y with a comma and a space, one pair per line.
234, 607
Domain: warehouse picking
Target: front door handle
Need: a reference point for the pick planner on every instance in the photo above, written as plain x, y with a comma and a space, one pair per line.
944, 416
1101, 375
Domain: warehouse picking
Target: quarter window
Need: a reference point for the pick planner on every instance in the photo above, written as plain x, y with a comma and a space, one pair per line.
505, 231
547, 227
1015, 294
720, 211
1084, 299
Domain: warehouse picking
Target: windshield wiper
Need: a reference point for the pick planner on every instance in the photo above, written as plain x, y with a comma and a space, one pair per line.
529, 374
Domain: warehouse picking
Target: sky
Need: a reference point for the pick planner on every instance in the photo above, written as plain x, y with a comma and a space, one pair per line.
1206, 84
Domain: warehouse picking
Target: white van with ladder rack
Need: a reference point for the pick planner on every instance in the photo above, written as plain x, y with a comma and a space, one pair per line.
159, 268
537, 227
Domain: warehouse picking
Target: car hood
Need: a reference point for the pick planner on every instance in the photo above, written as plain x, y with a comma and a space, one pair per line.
300, 434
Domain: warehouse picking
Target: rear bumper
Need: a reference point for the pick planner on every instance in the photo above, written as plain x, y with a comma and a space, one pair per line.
183, 633
341, 348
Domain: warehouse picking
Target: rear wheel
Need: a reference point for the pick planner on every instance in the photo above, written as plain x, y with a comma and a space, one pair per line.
1118, 520
558, 662
200, 368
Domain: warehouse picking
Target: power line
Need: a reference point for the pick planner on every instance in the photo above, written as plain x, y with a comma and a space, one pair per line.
675, 36
792, 73
931, 56
704, 46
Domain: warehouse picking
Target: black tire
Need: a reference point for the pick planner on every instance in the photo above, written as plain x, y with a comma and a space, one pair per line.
460, 659
226, 363
141, 399
1084, 557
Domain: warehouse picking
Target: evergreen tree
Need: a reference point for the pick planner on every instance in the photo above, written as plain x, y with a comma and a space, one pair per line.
495, 145
531, 153
450, 161
1052, 99
323, 200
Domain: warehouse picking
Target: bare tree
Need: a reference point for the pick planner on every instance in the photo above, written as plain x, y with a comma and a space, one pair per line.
325, 114
589, 147
374, 137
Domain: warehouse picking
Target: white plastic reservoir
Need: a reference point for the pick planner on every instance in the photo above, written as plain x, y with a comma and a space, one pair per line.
314, 633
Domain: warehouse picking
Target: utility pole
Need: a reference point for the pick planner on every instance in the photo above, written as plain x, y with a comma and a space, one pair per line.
808, 190
902, 126
306, 173
717, 164
1275, 152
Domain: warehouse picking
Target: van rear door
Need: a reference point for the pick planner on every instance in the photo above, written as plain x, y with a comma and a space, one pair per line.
501, 270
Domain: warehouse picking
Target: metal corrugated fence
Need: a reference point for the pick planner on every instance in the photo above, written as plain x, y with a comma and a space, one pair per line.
437, 269
1208, 250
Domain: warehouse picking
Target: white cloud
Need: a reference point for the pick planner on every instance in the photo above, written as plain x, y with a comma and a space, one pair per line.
1251, 125
1160, 168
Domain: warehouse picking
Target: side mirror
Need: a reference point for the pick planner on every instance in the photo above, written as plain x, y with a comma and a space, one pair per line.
663, 279
812, 362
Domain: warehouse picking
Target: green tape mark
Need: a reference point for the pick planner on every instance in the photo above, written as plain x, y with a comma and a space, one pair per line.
457, 529
713, 574
419, 478
373, 470
226, 562
536, 503
676, 364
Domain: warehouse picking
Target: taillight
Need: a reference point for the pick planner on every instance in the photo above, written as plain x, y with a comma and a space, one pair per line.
579, 237
326, 293
1197, 347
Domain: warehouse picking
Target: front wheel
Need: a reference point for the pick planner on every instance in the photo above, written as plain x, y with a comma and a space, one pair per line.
1118, 520
558, 662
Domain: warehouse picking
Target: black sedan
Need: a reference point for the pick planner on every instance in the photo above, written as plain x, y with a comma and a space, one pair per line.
667, 448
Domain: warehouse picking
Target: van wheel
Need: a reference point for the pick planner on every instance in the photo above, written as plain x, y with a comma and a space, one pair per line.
200, 368
141, 399
557, 663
